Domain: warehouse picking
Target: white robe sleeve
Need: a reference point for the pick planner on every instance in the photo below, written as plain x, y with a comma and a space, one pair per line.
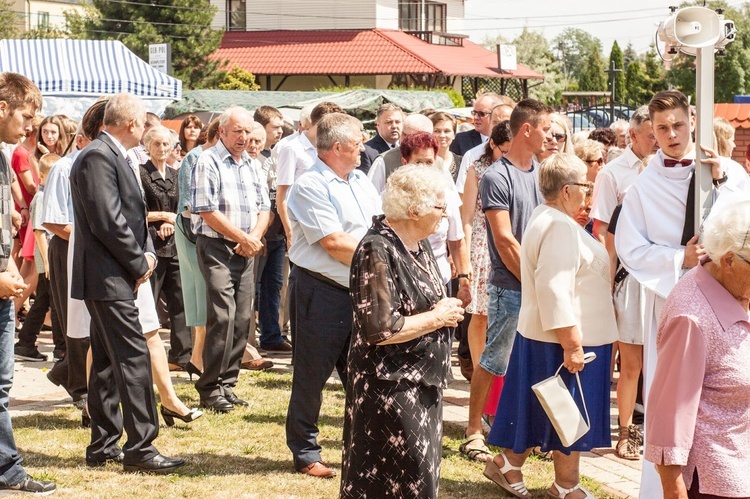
658, 267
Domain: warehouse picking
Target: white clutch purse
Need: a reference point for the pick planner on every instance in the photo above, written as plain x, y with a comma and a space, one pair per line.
560, 407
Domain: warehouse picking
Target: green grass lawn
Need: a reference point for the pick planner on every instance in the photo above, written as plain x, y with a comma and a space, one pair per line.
238, 455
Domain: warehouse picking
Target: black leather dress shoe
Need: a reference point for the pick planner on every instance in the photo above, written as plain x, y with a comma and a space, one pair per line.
160, 465
218, 403
91, 463
235, 400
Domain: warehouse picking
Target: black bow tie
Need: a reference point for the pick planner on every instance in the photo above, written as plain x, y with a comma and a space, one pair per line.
669, 163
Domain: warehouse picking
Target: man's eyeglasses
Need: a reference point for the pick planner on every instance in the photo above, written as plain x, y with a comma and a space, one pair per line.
479, 114
585, 188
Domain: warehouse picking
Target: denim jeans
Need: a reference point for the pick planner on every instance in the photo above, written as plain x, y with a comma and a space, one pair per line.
11, 471
502, 321
271, 281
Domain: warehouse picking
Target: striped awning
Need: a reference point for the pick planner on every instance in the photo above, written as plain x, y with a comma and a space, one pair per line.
86, 67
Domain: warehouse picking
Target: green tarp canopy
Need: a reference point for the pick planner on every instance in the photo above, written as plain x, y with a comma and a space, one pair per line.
361, 103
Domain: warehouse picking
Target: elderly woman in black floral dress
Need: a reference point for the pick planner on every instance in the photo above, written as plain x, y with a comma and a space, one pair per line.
399, 358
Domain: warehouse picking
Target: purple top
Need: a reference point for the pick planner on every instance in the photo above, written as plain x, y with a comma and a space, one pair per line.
699, 403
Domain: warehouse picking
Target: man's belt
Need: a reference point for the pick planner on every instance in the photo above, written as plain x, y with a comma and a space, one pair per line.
324, 279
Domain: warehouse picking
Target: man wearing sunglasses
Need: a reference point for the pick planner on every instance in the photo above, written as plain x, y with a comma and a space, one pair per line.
481, 113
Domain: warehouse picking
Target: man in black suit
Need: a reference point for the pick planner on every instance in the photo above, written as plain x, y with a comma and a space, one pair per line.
481, 112
389, 123
113, 255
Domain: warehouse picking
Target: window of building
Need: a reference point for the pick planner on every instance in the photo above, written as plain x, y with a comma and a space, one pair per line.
42, 20
236, 15
411, 15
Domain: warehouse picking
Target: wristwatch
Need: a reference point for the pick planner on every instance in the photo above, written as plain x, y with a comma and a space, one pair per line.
464, 276
718, 182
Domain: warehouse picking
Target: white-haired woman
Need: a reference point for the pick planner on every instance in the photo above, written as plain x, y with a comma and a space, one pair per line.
698, 431
566, 307
399, 358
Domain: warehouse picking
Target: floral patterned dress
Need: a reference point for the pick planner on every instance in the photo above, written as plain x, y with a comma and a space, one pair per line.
393, 418
479, 252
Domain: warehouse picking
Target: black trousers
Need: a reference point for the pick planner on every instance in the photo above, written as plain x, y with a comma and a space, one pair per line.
230, 287
166, 278
73, 366
322, 321
35, 318
120, 373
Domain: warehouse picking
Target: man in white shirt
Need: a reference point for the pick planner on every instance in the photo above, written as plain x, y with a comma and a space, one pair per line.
653, 240
619, 174
295, 158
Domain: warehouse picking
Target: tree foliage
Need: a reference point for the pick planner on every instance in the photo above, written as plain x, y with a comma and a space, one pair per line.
238, 79
593, 78
575, 47
186, 24
8, 20
616, 57
636, 83
628, 56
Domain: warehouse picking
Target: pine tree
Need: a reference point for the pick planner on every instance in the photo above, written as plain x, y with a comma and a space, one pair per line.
138, 23
593, 78
635, 83
615, 55
628, 56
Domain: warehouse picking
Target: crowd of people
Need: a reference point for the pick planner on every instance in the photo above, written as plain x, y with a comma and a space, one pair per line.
514, 237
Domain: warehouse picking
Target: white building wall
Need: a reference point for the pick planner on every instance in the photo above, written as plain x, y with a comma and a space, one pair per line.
32, 12
328, 14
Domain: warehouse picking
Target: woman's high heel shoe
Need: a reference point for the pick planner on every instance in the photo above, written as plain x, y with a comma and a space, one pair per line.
191, 369
169, 416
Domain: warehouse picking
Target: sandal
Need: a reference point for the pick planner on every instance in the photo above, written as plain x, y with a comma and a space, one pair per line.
538, 452
563, 493
497, 475
475, 447
627, 445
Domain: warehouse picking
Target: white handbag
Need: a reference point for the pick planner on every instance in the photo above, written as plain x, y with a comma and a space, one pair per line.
560, 407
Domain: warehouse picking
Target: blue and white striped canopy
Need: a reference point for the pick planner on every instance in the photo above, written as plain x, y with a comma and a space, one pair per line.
86, 67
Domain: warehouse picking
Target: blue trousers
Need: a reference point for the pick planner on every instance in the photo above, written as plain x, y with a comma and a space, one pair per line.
322, 316
11, 471
271, 271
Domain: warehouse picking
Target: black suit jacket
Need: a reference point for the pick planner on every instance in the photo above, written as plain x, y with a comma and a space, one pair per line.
465, 141
373, 148
111, 237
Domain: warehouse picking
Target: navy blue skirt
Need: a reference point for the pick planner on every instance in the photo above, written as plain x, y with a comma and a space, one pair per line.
521, 423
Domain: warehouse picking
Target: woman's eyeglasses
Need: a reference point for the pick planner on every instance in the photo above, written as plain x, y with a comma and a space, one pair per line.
599, 161
559, 137
585, 188
441, 208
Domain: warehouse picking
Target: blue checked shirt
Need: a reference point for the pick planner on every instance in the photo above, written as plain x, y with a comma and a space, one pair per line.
221, 184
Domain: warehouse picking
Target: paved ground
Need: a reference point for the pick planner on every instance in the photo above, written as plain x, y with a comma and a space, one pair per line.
32, 392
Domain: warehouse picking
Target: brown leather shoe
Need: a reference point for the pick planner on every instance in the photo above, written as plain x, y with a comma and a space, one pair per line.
467, 368
175, 367
257, 365
318, 470
284, 347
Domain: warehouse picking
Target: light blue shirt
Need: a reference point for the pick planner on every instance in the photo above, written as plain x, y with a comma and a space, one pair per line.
321, 203
57, 205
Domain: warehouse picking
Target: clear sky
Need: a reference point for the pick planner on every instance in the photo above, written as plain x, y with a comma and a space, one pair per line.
625, 21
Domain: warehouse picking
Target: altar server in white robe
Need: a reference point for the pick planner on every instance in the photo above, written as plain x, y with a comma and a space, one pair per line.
649, 238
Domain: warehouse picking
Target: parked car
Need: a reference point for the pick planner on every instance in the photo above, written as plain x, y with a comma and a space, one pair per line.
580, 122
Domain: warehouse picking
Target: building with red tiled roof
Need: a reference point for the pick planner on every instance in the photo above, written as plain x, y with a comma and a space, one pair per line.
309, 44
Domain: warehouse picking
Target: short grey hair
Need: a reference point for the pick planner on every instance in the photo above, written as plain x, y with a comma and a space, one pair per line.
727, 231
337, 127
122, 108
157, 131
257, 127
557, 171
620, 125
304, 115
413, 189
639, 117
417, 123
230, 112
